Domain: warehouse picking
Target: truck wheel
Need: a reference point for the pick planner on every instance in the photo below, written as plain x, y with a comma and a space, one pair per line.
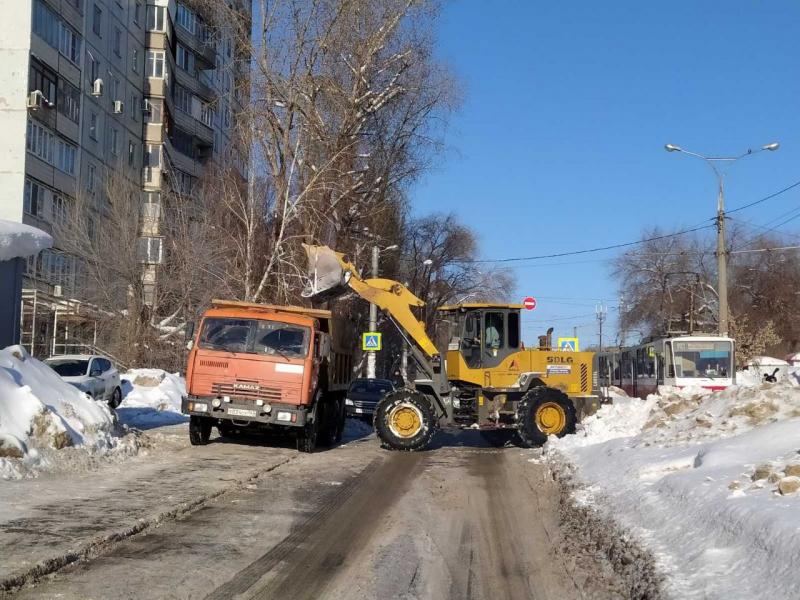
339, 422
116, 398
544, 411
199, 430
405, 420
307, 436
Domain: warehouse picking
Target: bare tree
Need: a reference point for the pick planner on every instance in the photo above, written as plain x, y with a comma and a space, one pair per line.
345, 102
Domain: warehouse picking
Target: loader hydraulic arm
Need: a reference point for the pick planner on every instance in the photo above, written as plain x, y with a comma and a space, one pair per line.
331, 274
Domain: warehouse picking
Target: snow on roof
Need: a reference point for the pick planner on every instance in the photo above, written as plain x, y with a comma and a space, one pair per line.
18, 240
766, 361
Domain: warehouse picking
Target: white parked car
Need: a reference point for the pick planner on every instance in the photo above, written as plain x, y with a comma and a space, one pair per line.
95, 375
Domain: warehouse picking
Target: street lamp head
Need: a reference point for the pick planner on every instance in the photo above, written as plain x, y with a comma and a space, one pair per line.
427, 262
388, 248
672, 148
771, 147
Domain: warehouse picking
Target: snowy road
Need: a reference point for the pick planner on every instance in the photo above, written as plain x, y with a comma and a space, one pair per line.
261, 521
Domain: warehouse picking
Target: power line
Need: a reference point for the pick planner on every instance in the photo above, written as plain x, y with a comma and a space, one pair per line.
628, 244
765, 198
590, 250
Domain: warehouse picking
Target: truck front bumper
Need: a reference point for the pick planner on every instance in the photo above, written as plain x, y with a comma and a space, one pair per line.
284, 415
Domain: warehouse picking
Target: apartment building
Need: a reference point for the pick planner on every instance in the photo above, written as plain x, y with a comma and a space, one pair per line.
142, 88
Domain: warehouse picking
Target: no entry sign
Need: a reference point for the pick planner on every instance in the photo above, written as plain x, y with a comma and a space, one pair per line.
529, 303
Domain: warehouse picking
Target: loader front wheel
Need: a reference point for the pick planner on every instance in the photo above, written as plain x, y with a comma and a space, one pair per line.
405, 420
543, 412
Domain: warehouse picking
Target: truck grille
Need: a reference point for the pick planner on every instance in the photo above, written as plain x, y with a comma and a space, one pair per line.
246, 389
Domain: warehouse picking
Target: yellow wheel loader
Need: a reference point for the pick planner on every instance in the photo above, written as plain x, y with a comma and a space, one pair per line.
480, 378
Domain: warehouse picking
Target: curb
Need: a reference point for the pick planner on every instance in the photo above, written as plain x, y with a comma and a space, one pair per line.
97, 545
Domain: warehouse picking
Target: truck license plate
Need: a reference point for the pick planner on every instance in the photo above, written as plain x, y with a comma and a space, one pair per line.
241, 412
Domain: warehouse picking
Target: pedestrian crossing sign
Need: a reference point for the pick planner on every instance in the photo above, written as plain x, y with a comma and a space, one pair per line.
371, 341
568, 344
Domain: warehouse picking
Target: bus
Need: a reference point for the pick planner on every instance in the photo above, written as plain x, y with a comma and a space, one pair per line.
705, 361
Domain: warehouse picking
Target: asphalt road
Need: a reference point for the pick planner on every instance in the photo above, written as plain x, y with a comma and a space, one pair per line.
458, 521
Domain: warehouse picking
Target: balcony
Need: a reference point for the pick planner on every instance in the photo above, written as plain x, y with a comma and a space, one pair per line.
204, 52
192, 82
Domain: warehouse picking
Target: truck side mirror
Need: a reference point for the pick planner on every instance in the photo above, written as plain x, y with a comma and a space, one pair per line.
189, 332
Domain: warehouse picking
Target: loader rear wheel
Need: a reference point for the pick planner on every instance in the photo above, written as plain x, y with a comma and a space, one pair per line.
405, 420
544, 411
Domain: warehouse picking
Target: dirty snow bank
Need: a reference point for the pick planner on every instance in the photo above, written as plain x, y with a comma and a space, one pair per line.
18, 240
40, 414
152, 398
706, 481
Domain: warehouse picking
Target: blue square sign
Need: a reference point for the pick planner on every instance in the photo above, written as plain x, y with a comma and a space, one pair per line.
371, 341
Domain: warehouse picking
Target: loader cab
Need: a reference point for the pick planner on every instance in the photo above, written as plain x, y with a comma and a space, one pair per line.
483, 334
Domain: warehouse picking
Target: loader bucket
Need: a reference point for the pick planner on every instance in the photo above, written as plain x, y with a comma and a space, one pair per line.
327, 276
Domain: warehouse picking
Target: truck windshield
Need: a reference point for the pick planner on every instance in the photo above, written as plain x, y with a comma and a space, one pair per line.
702, 358
255, 336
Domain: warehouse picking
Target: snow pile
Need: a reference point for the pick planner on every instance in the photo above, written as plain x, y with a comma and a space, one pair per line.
152, 398
39, 412
18, 240
708, 482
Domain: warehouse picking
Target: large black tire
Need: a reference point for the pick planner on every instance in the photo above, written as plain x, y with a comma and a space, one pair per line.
116, 398
199, 430
405, 420
308, 435
542, 412
340, 421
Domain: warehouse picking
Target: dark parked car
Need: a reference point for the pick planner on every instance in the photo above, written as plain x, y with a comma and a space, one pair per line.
364, 394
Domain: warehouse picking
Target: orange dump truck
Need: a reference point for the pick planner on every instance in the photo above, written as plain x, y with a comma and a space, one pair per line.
263, 368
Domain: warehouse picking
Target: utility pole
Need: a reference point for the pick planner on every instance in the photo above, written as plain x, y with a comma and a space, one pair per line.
601, 312
373, 315
722, 253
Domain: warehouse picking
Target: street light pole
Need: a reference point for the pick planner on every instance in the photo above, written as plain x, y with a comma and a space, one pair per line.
373, 315
373, 309
722, 253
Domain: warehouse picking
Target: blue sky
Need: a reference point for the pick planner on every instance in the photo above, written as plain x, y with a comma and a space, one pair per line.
558, 145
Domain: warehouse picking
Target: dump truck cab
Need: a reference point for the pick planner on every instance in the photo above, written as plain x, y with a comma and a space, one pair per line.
262, 367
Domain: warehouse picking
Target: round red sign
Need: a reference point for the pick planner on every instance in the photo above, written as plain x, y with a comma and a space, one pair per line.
529, 303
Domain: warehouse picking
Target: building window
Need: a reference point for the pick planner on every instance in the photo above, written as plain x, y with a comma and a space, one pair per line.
114, 88
97, 21
113, 141
184, 58
182, 142
182, 98
135, 107
131, 154
155, 110
39, 141
69, 100
206, 114
135, 60
150, 250
93, 133
57, 34
44, 80
33, 199
117, 41
155, 63
65, 156
90, 177
69, 43
58, 210
186, 18
156, 20
137, 13
45, 23
152, 155
94, 70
